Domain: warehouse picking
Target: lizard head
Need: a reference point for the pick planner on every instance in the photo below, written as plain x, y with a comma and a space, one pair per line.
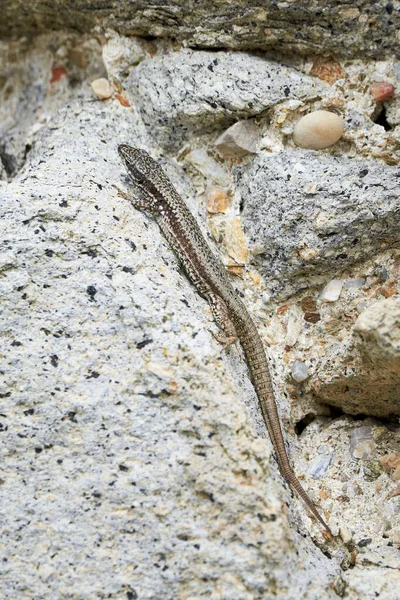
148, 178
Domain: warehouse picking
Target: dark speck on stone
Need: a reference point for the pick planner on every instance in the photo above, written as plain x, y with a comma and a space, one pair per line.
38, 449
131, 595
128, 270
54, 360
72, 416
286, 91
363, 173
132, 244
16, 343
49, 252
93, 375
144, 343
91, 290
63, 204
364, 542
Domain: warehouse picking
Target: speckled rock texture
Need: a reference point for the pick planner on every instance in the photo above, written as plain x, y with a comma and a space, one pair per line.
135, 462
318, 26
308, 215
123, 472
367, 379
189, 93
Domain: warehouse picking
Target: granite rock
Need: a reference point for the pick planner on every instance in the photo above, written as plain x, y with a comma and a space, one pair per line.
308, 215
183, 94
130, 465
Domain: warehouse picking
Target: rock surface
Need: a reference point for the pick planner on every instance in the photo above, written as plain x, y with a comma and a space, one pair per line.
134, 459
188, 93
308, 215
110, 443
304, 27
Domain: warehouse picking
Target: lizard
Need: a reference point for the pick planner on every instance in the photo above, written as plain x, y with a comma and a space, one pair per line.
155, 194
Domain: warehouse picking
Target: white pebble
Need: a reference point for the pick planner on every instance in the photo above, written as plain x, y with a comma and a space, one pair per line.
331, 291
318, 129
345, 534
101, 88
299, 371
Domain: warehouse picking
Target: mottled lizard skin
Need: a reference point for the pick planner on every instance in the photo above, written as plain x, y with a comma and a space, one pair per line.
155, 194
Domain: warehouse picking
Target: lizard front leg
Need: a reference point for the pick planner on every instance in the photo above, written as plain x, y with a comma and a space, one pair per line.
222, 319
136, 200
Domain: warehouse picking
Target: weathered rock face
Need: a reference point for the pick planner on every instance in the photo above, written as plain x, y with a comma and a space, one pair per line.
108, 443
308, 215
189, 93
134, 457
368, 378
304, 27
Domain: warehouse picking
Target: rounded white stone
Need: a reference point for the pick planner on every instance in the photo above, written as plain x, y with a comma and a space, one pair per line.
318, 129
101, 88
299, 371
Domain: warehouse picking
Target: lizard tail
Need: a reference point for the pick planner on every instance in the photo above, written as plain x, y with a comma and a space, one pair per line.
260, 375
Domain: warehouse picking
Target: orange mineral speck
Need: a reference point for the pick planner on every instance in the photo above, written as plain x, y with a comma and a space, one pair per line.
217, 201
57, 72
122, 100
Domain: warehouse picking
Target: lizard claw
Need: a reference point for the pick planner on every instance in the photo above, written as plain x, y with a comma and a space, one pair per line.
224, 340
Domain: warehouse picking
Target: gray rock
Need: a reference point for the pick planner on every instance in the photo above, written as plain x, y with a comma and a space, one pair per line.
298, 239
124, 441
316, 26
377, 572
363, 375
319, 466
187, 93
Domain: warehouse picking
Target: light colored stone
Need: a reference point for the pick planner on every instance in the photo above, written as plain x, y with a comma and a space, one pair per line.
361, 374
299, 371
188, 93
354, 283
211, 170
101, 87
332, 290
317, 130
299, 241
238, 140
124, 432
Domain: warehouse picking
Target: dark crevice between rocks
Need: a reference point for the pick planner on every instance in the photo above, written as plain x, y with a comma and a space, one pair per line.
303, 423
380, 119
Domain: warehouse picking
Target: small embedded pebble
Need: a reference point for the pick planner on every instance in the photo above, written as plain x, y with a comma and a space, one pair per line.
345, 534
382, 90
318, 130
319, 466
354, 283
361, 442
238, 140
101, 88
299, 371
361, 306
217, 201
332, 290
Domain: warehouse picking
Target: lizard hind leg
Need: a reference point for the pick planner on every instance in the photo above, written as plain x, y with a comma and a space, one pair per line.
219, 309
